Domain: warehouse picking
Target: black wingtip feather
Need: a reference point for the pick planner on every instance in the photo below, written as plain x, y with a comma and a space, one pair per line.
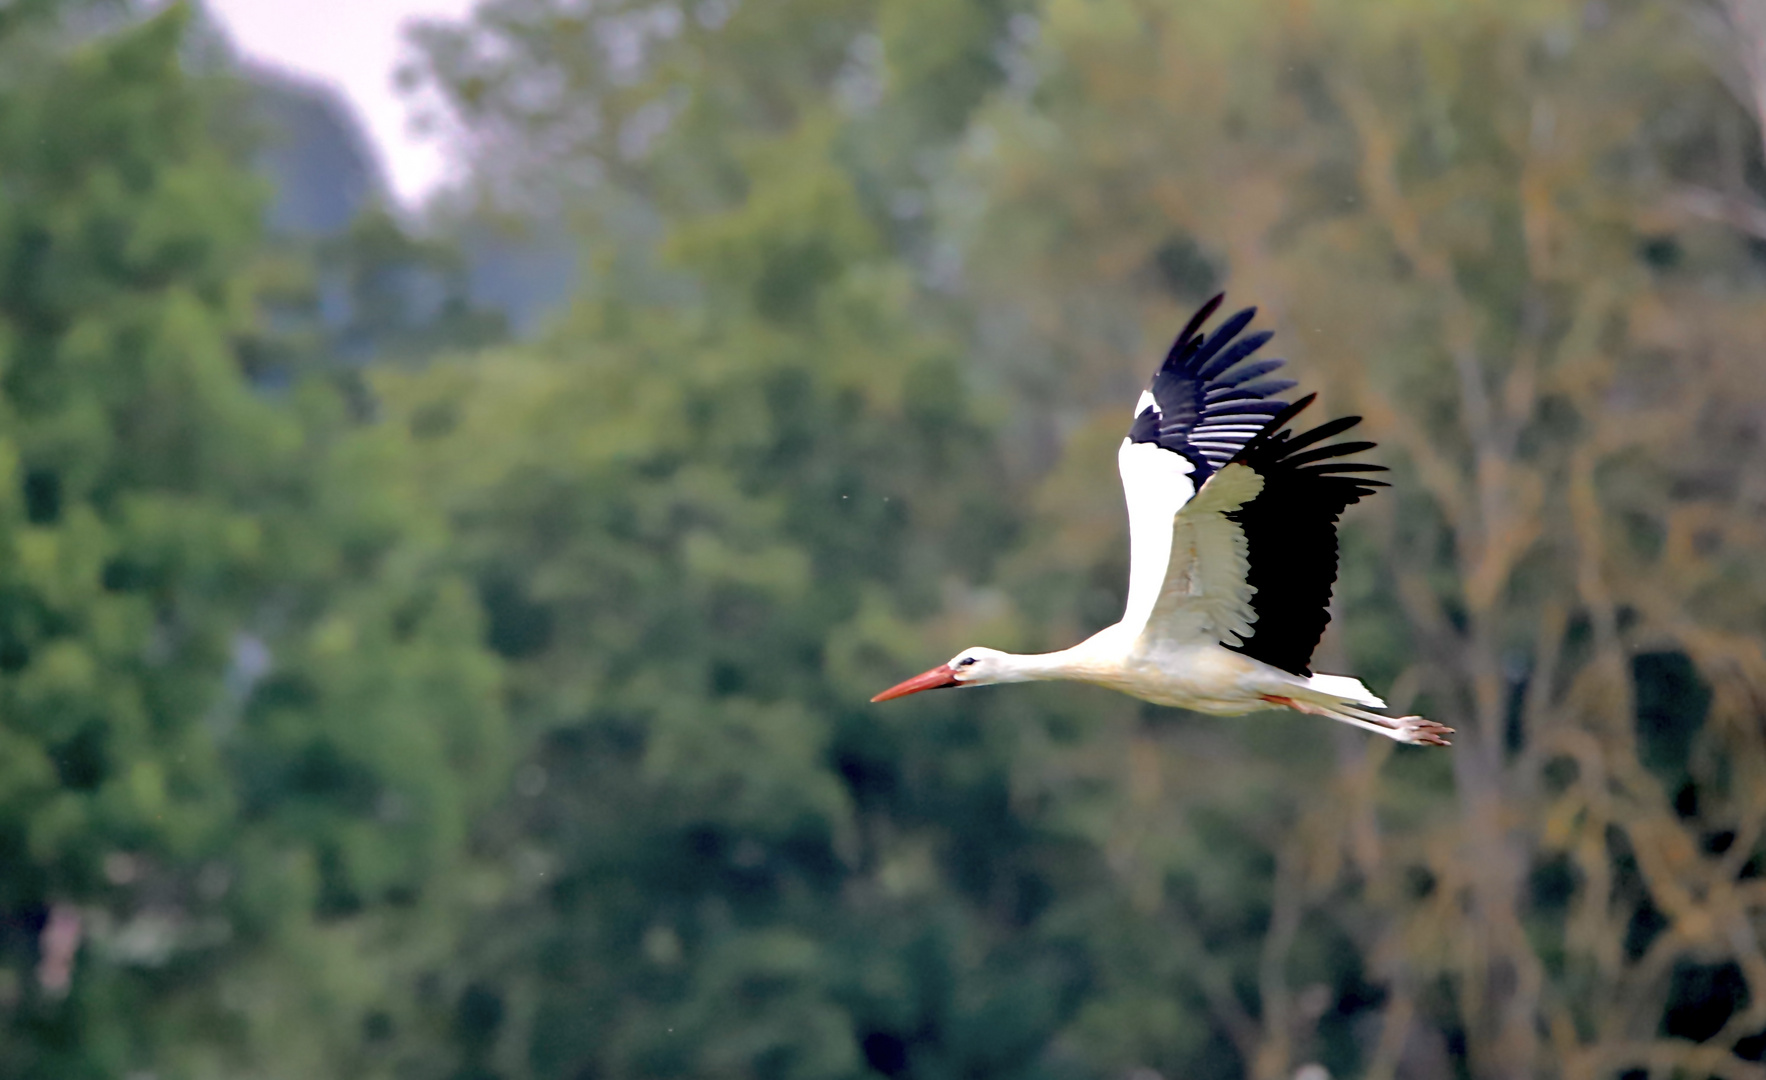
1263, 388
1202, 315
1324, 431
1246, 372
1249, 393
1235, 352
1325, 452
1245, 408
1223, 334
1280, 420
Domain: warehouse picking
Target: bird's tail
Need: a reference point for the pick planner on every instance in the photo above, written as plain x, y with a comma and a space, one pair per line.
1345, 688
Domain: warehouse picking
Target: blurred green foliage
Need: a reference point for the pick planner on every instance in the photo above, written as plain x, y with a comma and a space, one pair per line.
248, 715
383, 698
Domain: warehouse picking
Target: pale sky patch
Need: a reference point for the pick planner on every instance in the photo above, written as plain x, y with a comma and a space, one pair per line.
355, 46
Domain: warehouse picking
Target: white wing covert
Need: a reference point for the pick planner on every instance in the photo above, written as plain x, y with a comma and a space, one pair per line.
1206, 595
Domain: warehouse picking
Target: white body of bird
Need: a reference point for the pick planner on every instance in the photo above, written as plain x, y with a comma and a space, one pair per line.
1232, 551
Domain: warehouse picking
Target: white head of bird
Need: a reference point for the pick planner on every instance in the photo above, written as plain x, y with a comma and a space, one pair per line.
977, 666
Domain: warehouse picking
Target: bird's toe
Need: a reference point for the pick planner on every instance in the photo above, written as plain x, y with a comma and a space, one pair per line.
1421, 732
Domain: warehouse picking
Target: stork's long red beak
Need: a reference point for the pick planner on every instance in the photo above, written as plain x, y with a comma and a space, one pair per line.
938, 677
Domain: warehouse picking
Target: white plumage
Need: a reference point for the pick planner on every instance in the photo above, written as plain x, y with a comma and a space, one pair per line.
1232, 550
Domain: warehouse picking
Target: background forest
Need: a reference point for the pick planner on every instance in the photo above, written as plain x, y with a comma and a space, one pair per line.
400, 684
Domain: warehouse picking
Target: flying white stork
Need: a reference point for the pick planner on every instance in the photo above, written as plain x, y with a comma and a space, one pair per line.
1232, 523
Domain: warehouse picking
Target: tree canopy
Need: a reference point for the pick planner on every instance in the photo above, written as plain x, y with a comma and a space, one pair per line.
385, 696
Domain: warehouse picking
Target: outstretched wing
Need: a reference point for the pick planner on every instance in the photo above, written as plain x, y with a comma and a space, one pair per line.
1254, 555
1207, 594
1204, 404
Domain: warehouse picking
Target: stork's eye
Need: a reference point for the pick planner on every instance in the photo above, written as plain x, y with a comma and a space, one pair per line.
965, 661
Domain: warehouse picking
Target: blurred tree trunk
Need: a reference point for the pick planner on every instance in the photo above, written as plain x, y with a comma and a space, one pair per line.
1573, 699
1737, 32
1747, 37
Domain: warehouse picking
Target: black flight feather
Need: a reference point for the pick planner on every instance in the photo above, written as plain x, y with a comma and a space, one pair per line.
1324, 453
1325, 431
1249, 371
1291, 533
1201, 316
1240, 349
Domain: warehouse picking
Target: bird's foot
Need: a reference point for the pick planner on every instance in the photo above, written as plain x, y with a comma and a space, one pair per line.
1414, 730
1420, 732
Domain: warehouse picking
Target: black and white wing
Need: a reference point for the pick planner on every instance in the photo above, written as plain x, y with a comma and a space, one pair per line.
1207, 401
1254, 554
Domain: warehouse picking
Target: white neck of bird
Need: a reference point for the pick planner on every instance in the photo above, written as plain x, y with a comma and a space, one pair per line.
1030, 667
